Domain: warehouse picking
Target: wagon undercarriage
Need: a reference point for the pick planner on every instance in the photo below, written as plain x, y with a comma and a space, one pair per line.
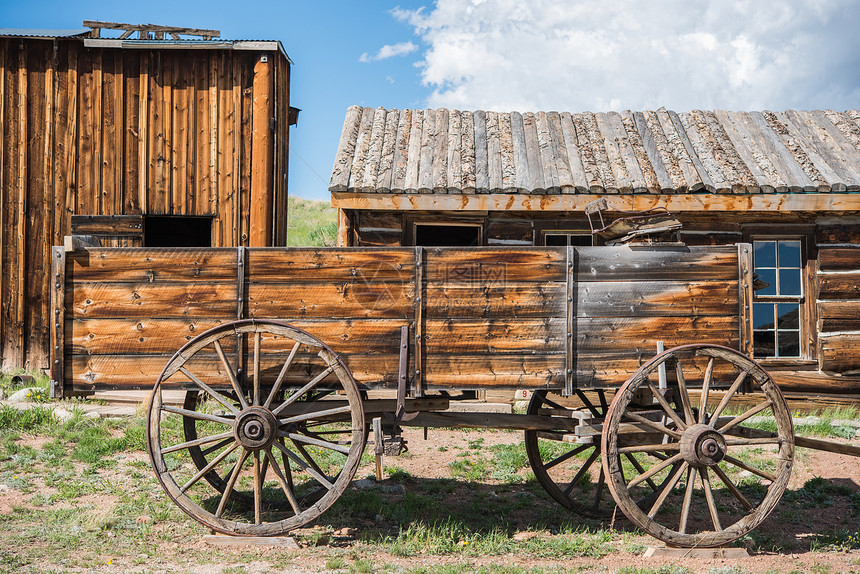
276, 417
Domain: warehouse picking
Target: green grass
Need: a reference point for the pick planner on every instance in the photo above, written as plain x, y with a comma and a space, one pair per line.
311, 223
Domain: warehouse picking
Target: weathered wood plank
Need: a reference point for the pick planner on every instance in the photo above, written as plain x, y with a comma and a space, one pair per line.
494, 151
839, 258
613, 152
107, 225
638, 150
681, 151
559, 153
839, 316
537, 183
518, 141
482, 175
327, 300
663, 148
369, 176
695, 130
440, 153
385, 169
361, 149
839, 285
413, 157
839, 148
106, 300
654, 159
428, 142
547, 158
656, 298
455, 151
330, 265
826, 234
467, 157
506, 144
148, 265
497, 371
838, 353
698, 167
790, 172
401, 149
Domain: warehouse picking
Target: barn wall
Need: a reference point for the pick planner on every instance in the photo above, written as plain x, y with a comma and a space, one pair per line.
102, 131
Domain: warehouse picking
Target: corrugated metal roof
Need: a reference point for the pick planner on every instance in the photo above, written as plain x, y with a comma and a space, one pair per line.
452, 151
27, 33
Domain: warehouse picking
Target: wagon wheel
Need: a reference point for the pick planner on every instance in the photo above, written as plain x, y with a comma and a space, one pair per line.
722, 479
570, 469
286, 442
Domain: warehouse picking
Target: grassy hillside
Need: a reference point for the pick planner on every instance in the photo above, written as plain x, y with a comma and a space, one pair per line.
311, 223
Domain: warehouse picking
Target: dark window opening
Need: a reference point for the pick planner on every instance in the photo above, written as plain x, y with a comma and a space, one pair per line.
428, 235
177, 231
564, 238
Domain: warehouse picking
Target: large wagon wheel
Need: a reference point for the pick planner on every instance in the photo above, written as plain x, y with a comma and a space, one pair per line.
570, 471
722, 479
286, 442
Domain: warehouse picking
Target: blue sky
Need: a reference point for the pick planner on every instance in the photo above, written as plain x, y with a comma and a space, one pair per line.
514, 55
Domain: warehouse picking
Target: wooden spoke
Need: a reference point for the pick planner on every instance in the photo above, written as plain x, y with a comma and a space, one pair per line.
208, 467
665, 406
258, 336
309, 459
742, 417
742, 465
210, 391
228, 490
215, 447
667, 489
299, 393
566, 456
296, 459
728, 396
282, 375
732, 488
688, 498
709, 497
651, 448
196, 415
595, 413
231, 375
639, 469
287, 488
706, 388
601, 480
652, 424
578, 476
316, 442
198, 442
654, 470
314, 415
684, 394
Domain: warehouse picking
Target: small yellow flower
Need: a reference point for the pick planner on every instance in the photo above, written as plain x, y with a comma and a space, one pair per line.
110, 561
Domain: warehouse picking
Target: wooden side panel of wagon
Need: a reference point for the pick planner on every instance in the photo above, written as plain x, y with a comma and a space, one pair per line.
506, 318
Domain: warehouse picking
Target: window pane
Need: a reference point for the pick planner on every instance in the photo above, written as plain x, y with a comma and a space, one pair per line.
555, 240
581, 240
763, 316
789, 253
763, 343
767, 276
789, 281
789, 343
788, 316
765, 253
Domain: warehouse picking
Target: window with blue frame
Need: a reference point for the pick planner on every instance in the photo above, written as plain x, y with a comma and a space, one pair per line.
777, 298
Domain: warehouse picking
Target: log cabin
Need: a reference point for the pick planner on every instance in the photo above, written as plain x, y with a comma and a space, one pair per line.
175, 137
787, 184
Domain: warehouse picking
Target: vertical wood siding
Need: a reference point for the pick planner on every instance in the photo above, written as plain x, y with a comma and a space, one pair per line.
100, 131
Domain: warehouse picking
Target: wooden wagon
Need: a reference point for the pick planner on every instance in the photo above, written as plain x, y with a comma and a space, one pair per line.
277, 350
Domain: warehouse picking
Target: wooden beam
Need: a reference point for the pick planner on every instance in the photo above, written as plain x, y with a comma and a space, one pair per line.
262, 174
813, 202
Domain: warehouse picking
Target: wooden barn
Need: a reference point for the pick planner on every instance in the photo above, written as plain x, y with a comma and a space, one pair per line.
146, 138
785, 183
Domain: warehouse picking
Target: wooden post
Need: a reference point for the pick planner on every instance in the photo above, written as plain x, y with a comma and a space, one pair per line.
56, 319
262, 174
745, 297
342, 228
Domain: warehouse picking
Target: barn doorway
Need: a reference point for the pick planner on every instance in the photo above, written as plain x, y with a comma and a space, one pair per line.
177, 231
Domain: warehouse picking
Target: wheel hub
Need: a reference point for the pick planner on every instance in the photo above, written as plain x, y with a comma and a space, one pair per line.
256, 428
701, 445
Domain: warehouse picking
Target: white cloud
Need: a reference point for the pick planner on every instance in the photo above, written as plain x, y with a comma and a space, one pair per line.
389, 51
602, 54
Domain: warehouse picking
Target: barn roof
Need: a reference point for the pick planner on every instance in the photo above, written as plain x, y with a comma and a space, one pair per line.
32, 33
446, 151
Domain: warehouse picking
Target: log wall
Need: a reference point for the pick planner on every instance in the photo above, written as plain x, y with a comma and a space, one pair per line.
109, 131
478, 318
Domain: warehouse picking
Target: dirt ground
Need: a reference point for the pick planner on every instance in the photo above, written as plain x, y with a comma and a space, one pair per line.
789, 528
